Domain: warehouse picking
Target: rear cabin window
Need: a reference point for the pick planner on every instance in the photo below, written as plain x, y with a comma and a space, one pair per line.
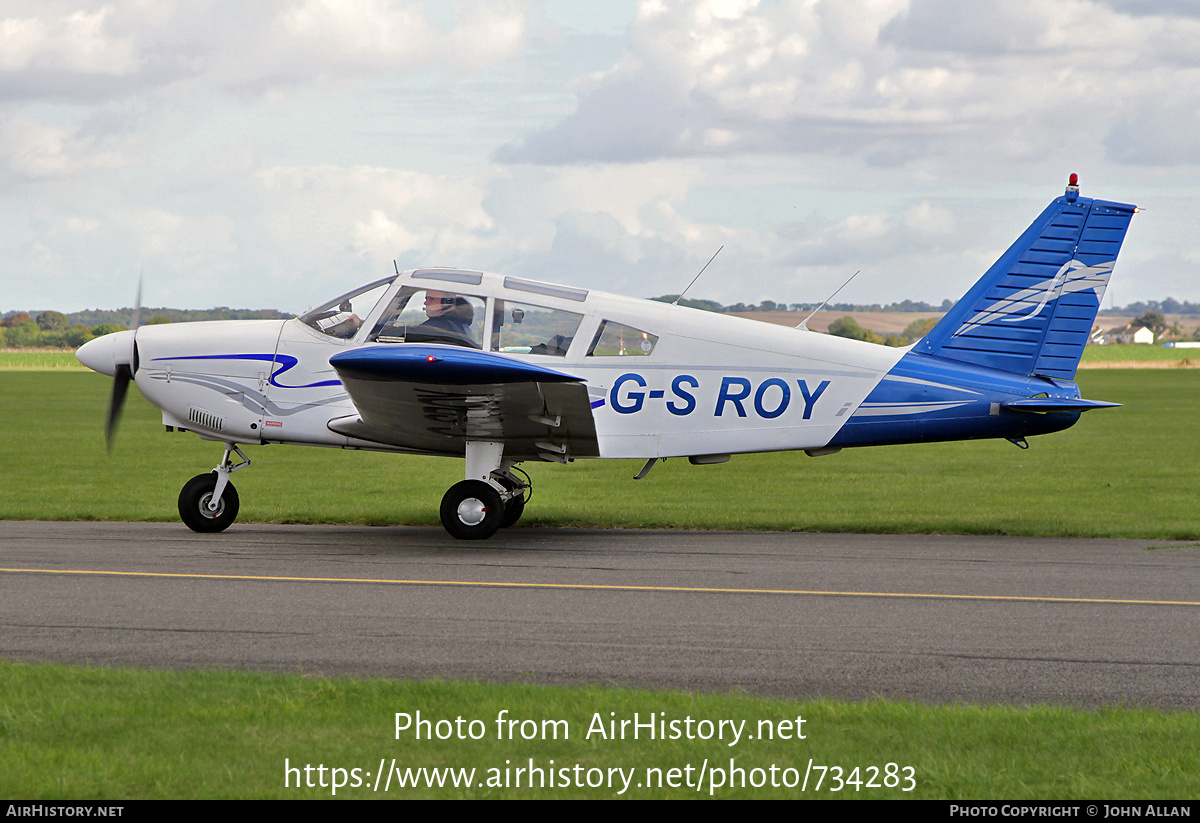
521, 328
618, 340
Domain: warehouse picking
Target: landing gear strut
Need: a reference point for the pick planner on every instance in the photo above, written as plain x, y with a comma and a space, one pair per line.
209, 502
517, 488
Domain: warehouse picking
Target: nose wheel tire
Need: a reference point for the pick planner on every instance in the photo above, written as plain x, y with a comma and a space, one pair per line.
472, 510
194, 500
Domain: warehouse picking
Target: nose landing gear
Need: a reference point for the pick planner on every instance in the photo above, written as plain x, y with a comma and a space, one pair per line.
209, 502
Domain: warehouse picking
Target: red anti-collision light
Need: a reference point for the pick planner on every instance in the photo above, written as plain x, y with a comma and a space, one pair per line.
1073, 180
431, 359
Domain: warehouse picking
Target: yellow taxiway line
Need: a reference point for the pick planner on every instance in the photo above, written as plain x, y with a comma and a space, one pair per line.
601, 587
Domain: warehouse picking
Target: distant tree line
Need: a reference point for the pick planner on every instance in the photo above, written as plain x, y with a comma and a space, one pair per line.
1168, 306
124, 317
771, 305
914, 331
52, 329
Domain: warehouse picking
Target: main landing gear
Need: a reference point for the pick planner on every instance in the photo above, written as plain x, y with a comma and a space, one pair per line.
491, 498
209, 502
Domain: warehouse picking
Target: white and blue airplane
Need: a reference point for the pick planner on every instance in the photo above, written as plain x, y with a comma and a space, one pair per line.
500, 370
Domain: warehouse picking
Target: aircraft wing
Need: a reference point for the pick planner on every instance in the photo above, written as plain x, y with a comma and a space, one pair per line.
432, 399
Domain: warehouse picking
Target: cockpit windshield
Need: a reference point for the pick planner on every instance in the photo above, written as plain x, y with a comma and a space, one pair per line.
342, 316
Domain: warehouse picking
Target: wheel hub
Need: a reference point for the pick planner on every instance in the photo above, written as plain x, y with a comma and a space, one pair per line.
472, 511
209, 513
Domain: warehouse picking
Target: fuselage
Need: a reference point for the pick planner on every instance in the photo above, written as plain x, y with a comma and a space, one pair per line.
669, 381
498, 370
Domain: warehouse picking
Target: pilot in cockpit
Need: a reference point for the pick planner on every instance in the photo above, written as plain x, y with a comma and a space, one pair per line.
449, 312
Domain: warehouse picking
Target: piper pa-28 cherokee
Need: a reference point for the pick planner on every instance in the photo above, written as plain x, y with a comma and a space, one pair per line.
500, 369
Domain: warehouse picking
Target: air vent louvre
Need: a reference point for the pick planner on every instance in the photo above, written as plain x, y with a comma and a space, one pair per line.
206, 419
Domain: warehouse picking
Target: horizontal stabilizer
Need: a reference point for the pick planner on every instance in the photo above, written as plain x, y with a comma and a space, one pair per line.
441, 366
1056, 404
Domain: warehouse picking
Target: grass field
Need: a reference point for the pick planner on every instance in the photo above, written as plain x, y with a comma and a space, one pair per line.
1139, 357
112, 734
1128, 472
39, 360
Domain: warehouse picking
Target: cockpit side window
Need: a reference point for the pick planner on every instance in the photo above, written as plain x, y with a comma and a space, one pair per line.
615, 339
431, 316
343, 316
521, 328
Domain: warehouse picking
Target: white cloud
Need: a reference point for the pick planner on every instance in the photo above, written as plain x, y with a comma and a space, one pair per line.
57, 48
371, 31
887, 81
377, 213
274, 154
30, 150
76, 41
373, 34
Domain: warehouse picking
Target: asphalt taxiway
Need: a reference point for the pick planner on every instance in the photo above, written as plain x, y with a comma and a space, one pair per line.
932, 618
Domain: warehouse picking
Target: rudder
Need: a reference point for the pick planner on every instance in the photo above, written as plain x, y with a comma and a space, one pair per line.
1032, 312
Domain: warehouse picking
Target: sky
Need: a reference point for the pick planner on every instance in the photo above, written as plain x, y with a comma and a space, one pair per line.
277, 153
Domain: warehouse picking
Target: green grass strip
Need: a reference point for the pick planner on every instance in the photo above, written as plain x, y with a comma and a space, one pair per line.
39, 360
1132, 353
82, 733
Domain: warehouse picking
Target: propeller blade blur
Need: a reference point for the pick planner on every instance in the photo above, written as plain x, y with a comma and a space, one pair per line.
120, 388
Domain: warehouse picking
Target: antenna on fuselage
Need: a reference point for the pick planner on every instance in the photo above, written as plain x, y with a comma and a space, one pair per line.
675, 302
804, 323
396, 266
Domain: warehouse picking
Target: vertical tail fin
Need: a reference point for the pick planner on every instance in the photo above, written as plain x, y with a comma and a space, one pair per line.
1032, 312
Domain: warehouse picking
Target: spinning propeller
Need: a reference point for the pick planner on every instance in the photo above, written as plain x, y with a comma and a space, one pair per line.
116, 355
124, 374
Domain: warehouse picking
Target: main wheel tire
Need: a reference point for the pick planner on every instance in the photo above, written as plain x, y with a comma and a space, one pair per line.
193, 504
513, 510
472, 510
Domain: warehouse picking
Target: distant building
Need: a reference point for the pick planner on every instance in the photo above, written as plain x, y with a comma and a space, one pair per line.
1122, 335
